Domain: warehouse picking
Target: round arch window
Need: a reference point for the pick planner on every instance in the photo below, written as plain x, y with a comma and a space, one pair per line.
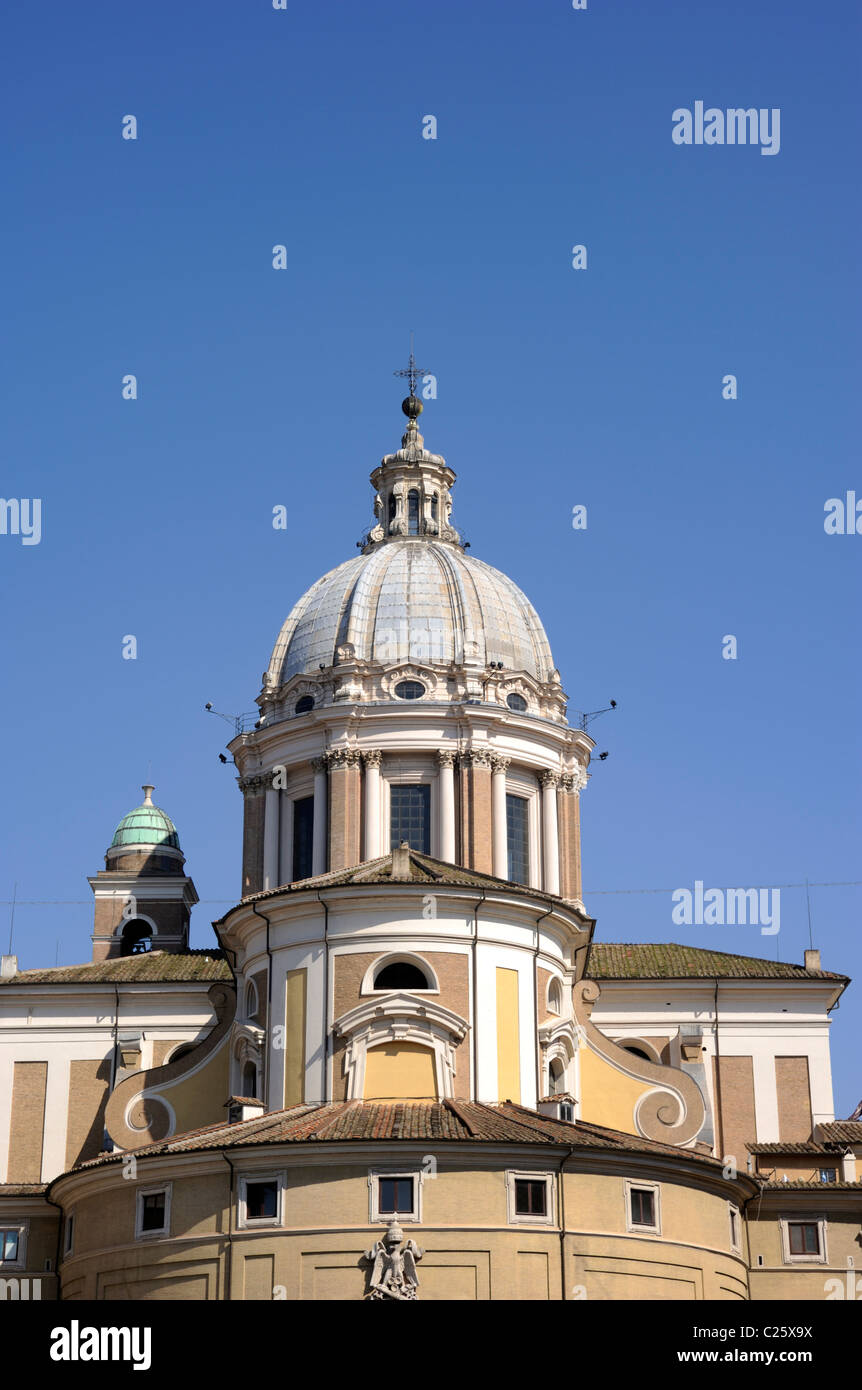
516, 702
304, 704
137, 938
409, 690
401, 974
637, 1052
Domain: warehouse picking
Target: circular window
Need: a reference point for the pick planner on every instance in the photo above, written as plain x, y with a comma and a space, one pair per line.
304, 704
410, 690
516, 702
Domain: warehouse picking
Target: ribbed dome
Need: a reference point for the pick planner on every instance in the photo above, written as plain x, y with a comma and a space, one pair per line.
413, 600
146, 825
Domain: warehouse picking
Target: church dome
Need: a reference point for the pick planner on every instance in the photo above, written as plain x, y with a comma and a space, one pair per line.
413, 600
146, 825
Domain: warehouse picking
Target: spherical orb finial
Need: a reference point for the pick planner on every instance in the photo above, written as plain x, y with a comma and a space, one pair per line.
412, 407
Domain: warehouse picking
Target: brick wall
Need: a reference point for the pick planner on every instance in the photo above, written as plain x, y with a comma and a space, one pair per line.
29, 1084
794, 1099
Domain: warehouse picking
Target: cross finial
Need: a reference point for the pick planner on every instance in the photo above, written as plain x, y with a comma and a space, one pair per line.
411, 371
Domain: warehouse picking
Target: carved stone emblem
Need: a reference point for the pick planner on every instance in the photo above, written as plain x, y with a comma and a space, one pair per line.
393, 1263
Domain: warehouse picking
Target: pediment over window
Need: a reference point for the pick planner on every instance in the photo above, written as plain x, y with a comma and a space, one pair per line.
400, 1018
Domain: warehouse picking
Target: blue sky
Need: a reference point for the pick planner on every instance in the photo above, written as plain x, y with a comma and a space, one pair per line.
556, 387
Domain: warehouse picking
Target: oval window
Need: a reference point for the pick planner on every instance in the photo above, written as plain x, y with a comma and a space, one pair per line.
409, 690
516, 702
304, 704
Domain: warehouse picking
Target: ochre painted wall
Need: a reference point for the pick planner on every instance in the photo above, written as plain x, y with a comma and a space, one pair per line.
400, 1071
508, 1036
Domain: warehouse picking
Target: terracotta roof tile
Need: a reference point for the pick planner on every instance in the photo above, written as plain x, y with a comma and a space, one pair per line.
150, 967
613, 960
841, 1132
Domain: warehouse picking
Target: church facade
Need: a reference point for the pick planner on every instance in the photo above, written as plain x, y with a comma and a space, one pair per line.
407, 1068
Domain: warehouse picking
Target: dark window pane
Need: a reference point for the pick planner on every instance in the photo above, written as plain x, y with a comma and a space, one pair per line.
400, 975
410, 817
409, 690
261, 1200
153, 1211
828, 1174
804, 1238
303, 830
9, 1245
643, 1207
531, 1196
518, 839
516, 702
396, 1195
304, 704
413, 513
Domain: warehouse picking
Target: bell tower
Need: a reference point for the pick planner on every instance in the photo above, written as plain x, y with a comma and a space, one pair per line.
143, 895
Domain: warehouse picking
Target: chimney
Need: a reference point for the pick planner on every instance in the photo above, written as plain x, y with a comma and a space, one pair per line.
8, 967
401, 861
812, 960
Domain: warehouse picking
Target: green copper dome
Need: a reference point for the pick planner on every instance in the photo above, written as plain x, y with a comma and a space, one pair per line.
146, 825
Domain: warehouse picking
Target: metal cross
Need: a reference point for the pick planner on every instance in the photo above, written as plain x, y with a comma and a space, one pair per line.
411, 371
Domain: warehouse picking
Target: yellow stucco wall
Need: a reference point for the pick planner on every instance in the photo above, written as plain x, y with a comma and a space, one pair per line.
508, 1036
608, 1096
402, 1071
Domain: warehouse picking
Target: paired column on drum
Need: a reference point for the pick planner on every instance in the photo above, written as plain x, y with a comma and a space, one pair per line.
321, 817
499, 829
372, 759
270, 836
446, 806
550, 832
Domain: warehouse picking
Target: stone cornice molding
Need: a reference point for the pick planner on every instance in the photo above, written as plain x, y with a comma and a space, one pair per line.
674, 1111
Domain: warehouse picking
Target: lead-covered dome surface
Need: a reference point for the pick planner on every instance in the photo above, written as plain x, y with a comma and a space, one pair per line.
413, 600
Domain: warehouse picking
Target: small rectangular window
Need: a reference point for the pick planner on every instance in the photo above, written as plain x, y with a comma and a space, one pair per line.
9, 1242
734, 1228
804, 1237
828, 1174
395, 1197
153, 1211
261, 1200
643, 1206
69, 1235
531, 1197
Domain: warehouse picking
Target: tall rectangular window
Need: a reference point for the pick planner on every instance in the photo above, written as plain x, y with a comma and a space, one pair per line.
518, 838
410, 817
303, 835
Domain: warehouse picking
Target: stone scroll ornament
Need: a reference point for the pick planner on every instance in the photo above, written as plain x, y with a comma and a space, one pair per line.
393, 1263
673, 1111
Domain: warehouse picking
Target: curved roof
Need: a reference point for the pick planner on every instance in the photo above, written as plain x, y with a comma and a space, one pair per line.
413, 600
146, 825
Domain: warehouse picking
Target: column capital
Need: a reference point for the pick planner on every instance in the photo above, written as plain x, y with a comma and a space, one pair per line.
498, 763
257, 783
372, 757
343, 757
549, 779
477, 757
445, 757
320, 764
574, 781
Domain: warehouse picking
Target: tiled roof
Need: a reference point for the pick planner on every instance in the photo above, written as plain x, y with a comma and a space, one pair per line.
421, 868
146, 968
798, 1184
807, 1146
22, 1189
425, 1122
841, 1132
612, 960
